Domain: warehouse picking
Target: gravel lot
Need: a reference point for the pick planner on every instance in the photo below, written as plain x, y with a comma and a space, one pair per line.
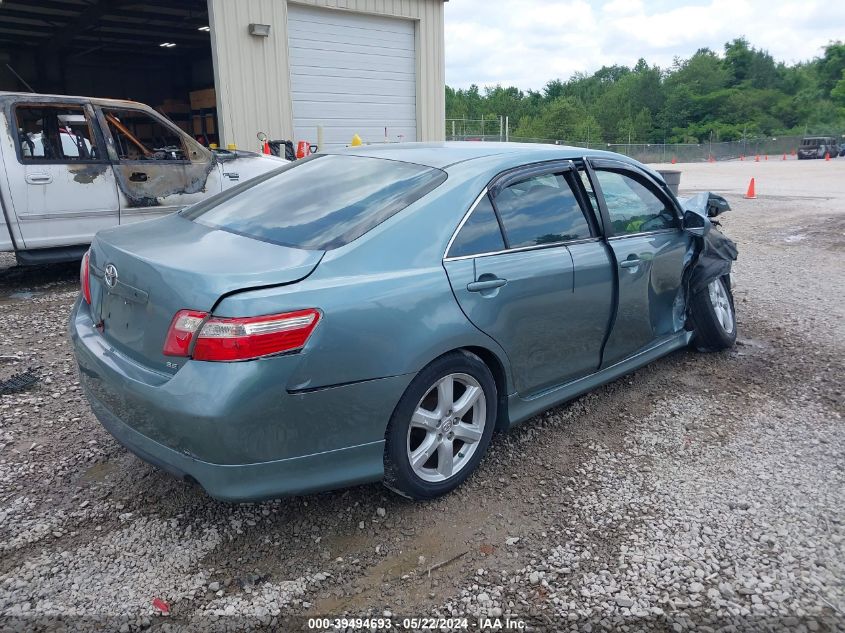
701, 491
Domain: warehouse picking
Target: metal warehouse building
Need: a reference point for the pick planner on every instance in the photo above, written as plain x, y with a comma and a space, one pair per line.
225, 70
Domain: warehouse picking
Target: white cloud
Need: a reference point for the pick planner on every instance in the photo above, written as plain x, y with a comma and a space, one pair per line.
528, 42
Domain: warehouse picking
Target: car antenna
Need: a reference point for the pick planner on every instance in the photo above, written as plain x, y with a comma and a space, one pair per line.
21, 79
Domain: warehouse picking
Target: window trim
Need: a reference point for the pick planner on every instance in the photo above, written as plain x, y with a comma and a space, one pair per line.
638, 175
522, 249
621, 236
524, 172
93, 130
593, 212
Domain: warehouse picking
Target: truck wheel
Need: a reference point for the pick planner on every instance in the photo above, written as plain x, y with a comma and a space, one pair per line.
713, 316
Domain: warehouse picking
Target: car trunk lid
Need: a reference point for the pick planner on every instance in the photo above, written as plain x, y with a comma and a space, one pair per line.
143, 274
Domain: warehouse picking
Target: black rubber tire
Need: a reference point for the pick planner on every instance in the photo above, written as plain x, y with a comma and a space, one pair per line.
709, 335
398, 473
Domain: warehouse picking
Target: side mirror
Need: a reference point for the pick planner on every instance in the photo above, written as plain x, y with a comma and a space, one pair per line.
716, 205
696, 224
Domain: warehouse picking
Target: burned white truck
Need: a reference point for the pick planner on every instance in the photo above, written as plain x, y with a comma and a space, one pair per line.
71, 166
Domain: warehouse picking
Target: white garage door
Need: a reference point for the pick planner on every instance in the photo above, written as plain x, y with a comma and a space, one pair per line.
353, 74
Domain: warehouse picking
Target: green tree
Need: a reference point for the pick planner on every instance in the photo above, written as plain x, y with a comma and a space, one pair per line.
738, 60
702, 73
831, 66
564, 119
743, 92
838, 92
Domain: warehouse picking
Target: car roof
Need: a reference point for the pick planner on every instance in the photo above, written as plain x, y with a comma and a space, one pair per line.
37, 97
444, 154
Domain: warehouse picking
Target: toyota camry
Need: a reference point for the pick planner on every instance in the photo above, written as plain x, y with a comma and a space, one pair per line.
377, 313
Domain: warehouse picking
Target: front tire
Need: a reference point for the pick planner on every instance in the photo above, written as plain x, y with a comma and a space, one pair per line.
714, 317
441, 427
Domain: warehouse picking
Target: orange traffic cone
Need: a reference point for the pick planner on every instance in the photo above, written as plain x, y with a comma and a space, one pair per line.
767, 157
751, 194
784, 157
757, 158
673, 160
303, 149
266, 147
827, 155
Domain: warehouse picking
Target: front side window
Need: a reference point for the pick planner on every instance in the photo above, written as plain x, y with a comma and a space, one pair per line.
55, 133
320, 203
138, 136
480, 233
632, 207
541, 210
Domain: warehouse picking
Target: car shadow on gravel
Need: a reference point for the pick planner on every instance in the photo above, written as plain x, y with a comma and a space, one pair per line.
15, 278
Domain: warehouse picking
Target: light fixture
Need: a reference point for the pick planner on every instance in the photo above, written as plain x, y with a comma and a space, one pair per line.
261, 30
167, 44
204, 28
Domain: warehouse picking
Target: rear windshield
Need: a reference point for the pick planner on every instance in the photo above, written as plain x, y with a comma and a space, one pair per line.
319, 203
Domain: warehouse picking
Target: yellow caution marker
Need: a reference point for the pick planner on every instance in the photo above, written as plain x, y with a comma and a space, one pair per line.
231, 147
356, 141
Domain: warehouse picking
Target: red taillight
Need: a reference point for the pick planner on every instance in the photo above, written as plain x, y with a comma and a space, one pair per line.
182, 329
85, 277
228, 339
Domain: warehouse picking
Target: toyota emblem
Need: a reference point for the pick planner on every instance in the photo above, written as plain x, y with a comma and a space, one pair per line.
110, 275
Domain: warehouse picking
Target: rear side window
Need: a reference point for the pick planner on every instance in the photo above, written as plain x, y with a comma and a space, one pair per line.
480, 233
55, 133
541, 210
320, 203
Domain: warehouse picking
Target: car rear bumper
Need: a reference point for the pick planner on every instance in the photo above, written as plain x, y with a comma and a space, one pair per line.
252, 482
235, 428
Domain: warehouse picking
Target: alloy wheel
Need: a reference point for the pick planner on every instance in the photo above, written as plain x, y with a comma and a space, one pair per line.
446, 427
721, 305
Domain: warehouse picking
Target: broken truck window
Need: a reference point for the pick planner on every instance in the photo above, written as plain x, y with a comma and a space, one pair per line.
55, 133
138, 136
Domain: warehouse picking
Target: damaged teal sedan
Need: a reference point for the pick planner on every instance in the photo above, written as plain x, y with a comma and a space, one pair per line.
377, 313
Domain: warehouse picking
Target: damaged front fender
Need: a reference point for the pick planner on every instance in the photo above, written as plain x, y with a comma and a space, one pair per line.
711, 253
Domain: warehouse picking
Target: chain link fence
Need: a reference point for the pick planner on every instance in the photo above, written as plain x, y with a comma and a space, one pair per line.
702, 152
496, 130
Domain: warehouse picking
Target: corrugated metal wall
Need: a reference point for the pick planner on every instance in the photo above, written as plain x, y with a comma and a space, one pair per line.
252, 73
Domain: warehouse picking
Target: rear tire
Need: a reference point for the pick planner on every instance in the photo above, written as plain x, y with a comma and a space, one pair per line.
441, 427
714, 317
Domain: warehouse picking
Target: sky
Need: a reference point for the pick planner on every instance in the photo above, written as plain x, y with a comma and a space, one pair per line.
526, 43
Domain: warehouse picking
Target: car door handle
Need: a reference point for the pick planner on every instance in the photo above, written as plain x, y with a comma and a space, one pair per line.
630, 263
39, 179
486, 284
138, 176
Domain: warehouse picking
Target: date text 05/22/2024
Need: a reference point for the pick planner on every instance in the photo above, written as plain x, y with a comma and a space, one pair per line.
418, 624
